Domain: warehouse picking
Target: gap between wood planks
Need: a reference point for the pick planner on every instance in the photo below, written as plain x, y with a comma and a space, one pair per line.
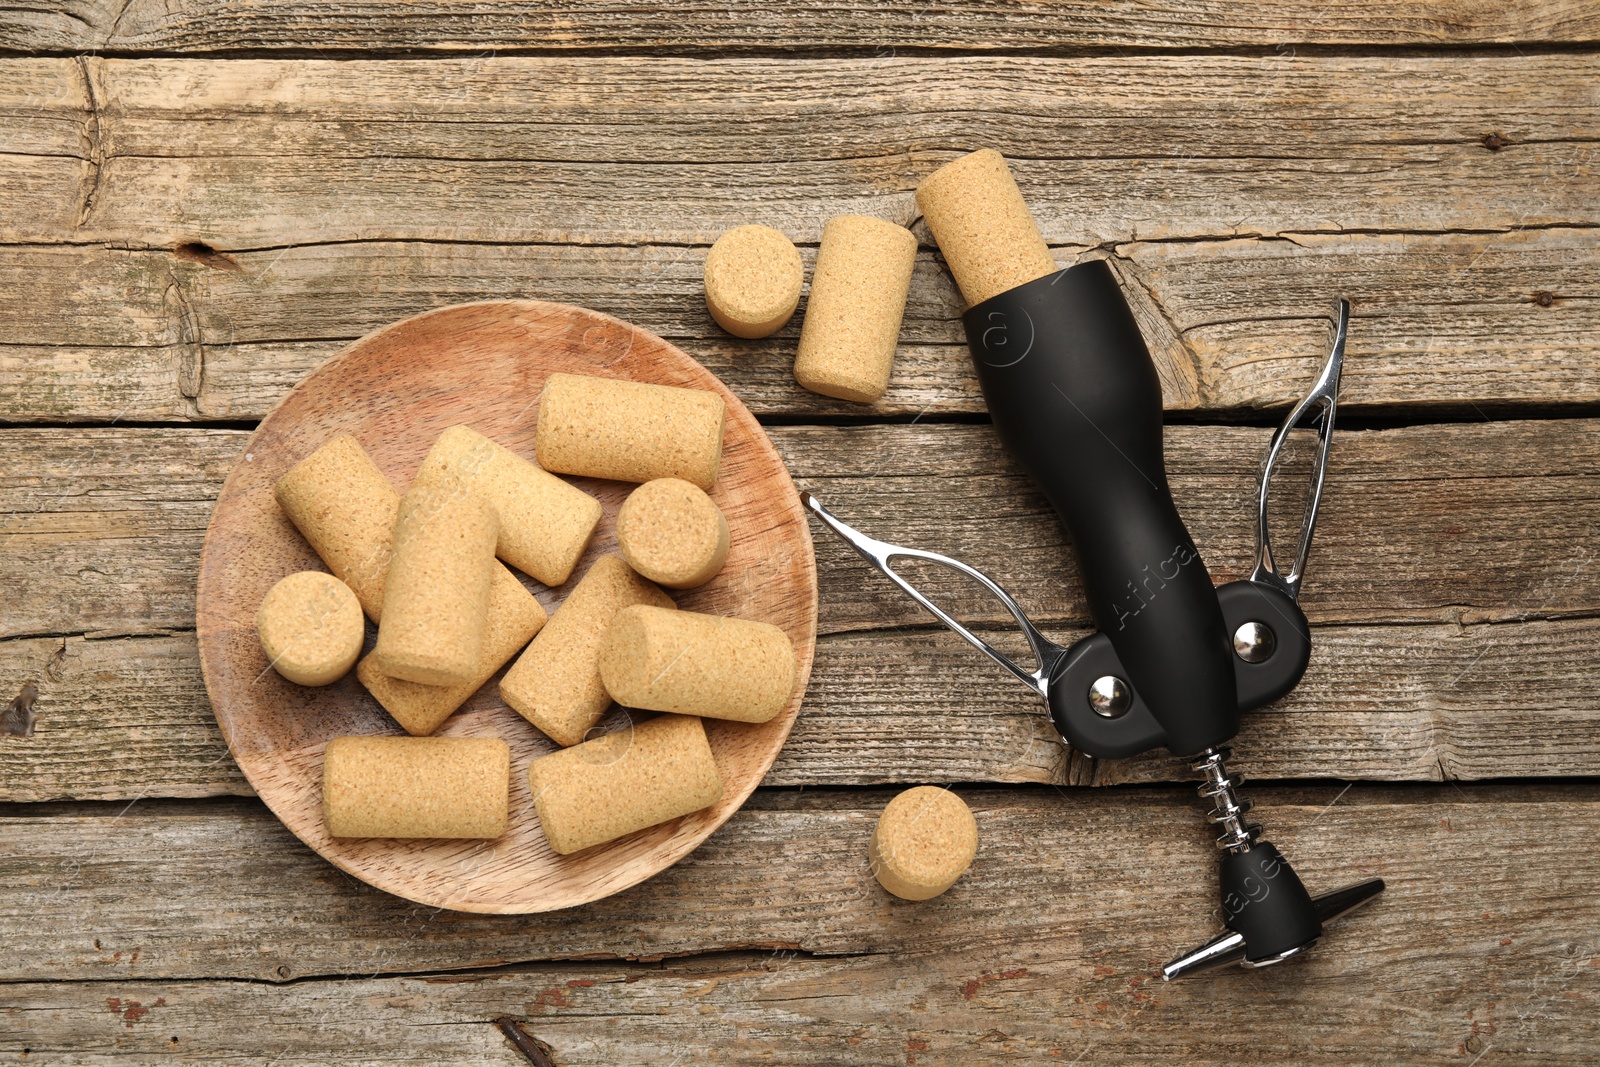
811, 52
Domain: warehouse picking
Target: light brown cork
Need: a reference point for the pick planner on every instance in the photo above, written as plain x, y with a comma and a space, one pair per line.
858, 297
555, 684
925, 839
416, 787
625, 781
344, 507
514, 617
982, 225
672, 533
753, 276
629, 431
696, 664
436, 598
311, 628
545, 522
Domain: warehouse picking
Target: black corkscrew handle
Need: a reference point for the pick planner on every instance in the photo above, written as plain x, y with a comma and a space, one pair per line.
1077, 401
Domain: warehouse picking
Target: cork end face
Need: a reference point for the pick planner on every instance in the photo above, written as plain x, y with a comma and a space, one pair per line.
672, 533
753, 277
924, 841
311, 628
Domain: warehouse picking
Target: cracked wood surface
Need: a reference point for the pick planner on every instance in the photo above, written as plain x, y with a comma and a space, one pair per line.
200, 234
127, 718
250, 154
1036, 955
296, 26
1492, 322
190, 237
1469, 534
1461, 522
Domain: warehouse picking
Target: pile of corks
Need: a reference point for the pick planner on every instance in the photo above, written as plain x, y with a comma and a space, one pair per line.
424, 568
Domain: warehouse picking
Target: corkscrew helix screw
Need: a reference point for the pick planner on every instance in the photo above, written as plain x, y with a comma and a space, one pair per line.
1228, 809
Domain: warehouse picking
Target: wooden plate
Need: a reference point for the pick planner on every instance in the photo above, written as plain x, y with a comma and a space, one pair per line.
484, 365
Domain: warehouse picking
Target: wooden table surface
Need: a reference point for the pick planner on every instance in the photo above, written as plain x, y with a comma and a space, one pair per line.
201, 201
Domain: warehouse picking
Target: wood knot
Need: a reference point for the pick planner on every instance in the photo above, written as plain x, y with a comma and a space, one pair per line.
1544, 298
1494, 141
203, 254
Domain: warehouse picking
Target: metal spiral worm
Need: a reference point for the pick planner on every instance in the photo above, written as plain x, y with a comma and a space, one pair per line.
1228, 809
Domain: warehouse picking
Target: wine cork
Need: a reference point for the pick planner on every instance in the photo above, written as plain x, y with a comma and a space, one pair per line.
555, 684
982, 225
311, 628
625, 781
925, 839
514, 617
545, 523
672, 533
629, 431
436, 598
694, 664
753, 276
858, 297
416, 787
344, 507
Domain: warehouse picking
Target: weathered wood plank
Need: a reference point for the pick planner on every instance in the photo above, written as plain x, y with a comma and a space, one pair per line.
207, 26
1490, 320
1486, 937
256, 153
128, 717
101, 528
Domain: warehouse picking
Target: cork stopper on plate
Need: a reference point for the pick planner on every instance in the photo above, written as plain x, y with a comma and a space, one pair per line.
636, 777
514, 617
629, 431
555, 684
696, 664
311, 628
753, 276
436, 598
925, 839
982, 225
545, 522
416, 787
858, 297
672, 533
344, 507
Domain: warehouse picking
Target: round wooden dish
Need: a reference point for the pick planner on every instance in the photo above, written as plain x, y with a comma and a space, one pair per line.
396, 390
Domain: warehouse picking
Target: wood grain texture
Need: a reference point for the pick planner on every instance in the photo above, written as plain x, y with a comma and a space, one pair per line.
1442, 322
250, 154
1468, 522
395, 391
208, 26
127, 718
1045, 950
